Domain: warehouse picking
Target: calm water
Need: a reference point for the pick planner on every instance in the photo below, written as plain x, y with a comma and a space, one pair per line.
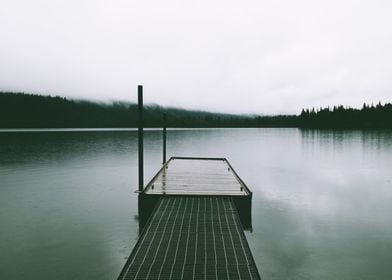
322, 203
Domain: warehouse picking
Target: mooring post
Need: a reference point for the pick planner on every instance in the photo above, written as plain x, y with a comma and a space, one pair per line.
140, 136
164, 138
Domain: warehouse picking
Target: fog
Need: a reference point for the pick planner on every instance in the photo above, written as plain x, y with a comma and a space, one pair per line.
265, 57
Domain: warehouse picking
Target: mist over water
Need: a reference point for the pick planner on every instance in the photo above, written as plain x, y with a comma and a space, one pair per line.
321, 199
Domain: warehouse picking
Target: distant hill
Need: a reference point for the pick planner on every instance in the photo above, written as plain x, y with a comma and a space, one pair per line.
20, 110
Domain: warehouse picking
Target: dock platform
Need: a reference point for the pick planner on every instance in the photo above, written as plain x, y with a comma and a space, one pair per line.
194, 230
197, 176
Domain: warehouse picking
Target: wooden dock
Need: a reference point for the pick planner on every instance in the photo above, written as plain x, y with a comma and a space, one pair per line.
193, 224
197, 176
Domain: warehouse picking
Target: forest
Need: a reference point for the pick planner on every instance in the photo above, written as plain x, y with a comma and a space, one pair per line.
21, 110
368, 117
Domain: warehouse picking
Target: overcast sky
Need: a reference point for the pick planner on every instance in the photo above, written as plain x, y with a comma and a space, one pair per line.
265, 57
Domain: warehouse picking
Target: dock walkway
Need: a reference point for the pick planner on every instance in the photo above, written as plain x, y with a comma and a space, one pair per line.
193, 233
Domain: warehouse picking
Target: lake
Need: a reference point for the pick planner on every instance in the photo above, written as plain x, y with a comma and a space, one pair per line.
322, 200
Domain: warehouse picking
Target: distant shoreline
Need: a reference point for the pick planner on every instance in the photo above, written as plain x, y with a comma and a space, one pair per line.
27, 111
103, 129
92, 130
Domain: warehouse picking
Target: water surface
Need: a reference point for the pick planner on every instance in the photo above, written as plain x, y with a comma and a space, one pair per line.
322, 200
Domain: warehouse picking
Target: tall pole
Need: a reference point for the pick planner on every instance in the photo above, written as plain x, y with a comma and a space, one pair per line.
140, 136
164, 138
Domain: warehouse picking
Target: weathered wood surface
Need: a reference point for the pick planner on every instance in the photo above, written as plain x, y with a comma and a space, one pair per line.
192, 176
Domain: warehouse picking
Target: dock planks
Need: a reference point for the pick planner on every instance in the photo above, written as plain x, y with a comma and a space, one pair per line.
197, 176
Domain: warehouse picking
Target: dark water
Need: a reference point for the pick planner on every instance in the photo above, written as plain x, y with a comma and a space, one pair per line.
322, 203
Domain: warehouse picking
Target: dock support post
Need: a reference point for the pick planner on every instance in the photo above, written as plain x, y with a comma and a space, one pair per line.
140, 136
164, 138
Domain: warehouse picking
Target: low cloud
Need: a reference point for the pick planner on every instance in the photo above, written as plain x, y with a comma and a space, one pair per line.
228, 56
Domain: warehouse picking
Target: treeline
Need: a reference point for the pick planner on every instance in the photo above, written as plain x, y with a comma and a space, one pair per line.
369, 116
20, 110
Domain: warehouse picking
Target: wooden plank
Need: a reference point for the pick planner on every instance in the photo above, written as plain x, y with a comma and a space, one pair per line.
197, 176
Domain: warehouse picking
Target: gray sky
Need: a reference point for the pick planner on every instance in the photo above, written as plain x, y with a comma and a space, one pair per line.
244, 56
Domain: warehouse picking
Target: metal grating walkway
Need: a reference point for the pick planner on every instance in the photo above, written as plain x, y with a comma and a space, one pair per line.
192, 238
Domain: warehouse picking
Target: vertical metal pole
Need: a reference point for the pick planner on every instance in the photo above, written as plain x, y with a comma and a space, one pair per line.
140, 136
164, 138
